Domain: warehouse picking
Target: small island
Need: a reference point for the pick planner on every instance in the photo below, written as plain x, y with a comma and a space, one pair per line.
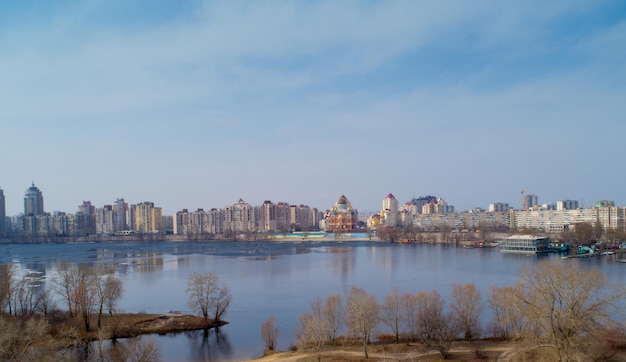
129, 325
34, 325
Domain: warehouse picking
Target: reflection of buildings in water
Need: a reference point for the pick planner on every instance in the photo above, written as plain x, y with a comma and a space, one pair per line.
37, 268
382, 258
338, 250
112, 254
107, 254
345, 264
151, 263
33, 274
181, 262
171, 262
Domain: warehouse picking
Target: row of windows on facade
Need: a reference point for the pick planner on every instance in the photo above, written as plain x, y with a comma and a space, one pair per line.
218, 221
145, 217
544, 220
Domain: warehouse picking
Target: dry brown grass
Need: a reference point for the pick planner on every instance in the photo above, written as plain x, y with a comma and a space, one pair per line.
478, 351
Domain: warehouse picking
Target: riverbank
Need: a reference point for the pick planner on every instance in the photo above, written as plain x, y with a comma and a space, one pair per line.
428, 238
481, 350
128, 325
484, 350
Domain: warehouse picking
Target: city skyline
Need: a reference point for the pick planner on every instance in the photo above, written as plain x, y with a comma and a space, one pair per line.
201, 103
33, 192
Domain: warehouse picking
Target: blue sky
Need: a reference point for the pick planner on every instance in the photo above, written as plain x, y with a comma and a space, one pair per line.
200, 103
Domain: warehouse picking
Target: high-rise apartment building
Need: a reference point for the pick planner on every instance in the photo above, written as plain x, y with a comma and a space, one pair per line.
120, 208
86, 219
3, 215
86, 208
33, 201
499, 207
303, 217
390, 211
239, 217
528, 201
196, 223
439, 206
283, 216
566, 205
105, 220
267, 216
605, 203
148, 218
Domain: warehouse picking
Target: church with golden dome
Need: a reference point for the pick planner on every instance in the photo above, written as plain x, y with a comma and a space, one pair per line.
341, 217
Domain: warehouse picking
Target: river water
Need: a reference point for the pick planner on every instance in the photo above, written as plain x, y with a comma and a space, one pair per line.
278, 278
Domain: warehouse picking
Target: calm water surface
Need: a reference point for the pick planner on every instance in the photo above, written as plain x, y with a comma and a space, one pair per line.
277, 278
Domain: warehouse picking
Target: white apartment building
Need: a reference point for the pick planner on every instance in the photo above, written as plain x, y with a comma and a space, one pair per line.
437, 207
105, 220
196, 223
558, 220
390, 213
463, 221
239, 217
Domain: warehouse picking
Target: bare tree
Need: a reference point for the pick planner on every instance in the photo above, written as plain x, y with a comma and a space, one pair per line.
598, 231
392, 314
64, 284
77, 285
44, 302
202, 289
611, 235
312, 330
7, 286
567, 235
220, 302
332, 311
466, 309
108, 290
509, 320
207, 296
114, 292
410, 315
583, 232
321, 326
23, 297
436, 328
391, 234
269, 333
567, 306
85, 294
361, 315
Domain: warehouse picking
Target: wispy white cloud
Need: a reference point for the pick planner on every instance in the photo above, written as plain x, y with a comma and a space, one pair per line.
228, 85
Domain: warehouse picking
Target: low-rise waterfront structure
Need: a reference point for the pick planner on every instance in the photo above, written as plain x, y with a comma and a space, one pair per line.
526, 244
